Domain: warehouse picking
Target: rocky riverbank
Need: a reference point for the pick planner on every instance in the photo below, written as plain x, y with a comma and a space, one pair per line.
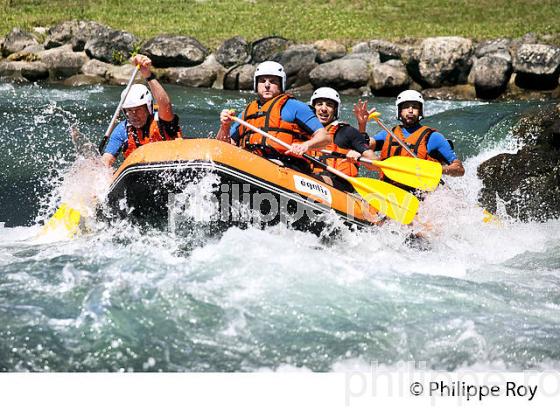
86, 52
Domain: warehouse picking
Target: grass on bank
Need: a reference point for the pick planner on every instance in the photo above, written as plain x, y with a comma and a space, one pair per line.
212, 21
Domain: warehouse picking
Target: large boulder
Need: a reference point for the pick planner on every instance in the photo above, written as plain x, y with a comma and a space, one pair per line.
389, 78
202, 75
80, 80
111, 46
75, 32
96, 68
30, 71
387, 50
302, 78
17, 40
175, 51
62, 62
490, 75
411, 58
240, 77
268, 48
498, 47
341, 74
370, 57
537, 66
296, 57
120, 74
527, 183
445, 61
328, 50
233, 51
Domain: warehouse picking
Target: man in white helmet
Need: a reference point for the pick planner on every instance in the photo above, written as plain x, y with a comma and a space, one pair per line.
278, 113
425, 142
142, 125
348, 143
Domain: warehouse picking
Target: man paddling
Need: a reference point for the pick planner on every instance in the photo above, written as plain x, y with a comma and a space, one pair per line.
424, 142
142, 124
278, 113
348, 143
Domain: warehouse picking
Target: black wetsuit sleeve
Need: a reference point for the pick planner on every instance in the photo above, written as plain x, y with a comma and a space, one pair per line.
348, 137
170, 128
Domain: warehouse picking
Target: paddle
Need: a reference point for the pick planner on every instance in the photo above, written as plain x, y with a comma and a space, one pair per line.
116, 114
394, 202
67, 218
417, 173
488, 217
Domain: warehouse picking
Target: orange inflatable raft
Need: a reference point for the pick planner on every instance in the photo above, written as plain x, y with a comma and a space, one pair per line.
147, 184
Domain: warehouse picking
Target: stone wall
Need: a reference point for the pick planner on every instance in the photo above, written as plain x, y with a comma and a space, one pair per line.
86, 52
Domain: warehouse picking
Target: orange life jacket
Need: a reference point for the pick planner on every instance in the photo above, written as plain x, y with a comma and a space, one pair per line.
417, 142
268, 118
342, 164
138, 137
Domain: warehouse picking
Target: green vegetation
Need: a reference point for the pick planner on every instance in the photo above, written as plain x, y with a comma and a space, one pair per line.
212, 21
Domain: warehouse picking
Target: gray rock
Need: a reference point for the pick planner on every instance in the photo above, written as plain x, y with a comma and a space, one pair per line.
31, 71
537, 66
387, 50
80, 80
268, 48
120, 74
359, 48
175, 51
370, 57
34, 48
111, 46
341, 74
240, 77
490, 75
302, 78
498, 47
538, 59
328, 50
96, 68
527, 182
389, 78
202, 75
411, 59
445, 61
296, 57
74, 32
62, 62
233, 51
16, 41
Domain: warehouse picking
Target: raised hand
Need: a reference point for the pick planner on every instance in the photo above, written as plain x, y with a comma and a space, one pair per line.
362, 114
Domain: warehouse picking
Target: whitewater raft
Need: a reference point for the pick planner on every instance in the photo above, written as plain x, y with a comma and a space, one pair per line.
151, 184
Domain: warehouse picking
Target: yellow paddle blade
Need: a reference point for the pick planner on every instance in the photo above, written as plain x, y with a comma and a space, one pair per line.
490, 218
413, 172
65, 220
388, 199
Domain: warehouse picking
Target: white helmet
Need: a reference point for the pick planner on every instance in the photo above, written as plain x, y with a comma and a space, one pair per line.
270, 68
138, 95
328, 94
409, 95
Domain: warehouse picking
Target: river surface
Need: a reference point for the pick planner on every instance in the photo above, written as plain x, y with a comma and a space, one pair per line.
482, 296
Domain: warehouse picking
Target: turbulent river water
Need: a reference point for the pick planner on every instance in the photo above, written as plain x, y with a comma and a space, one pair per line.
483, 296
